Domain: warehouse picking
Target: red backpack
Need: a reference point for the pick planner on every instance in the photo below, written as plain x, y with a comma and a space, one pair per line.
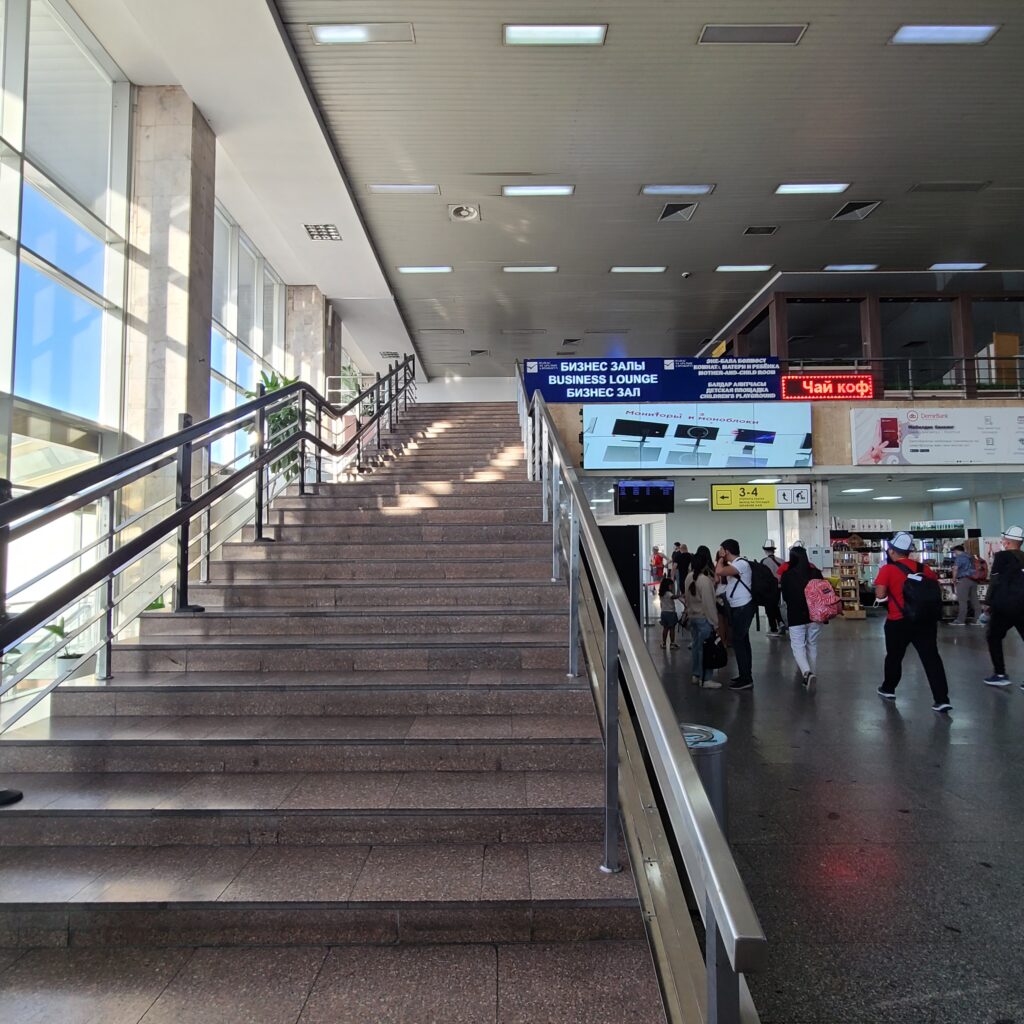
823, 603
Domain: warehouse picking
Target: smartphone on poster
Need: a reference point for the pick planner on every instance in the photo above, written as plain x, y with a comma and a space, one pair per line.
889, 432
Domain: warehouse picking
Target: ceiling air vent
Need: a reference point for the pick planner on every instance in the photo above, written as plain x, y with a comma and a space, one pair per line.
857, 211
527, 330
678, 211
479, 351
914, 344
389, 355
323, 232
950, 186
435, 332
565, 352
464, 213
761, 229
609, 330
786, 35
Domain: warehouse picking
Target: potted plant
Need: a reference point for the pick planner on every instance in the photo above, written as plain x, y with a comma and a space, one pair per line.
66, 656
282, 423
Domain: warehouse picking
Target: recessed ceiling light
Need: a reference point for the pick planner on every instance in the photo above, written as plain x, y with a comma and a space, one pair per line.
943, 490
323, 232
785, 34
888, 497
743, 268
530, 270
958, 266
766, 480
554, 35
851, 267
638, 270
364, 32
943, 35
693, 501
677, 190
600, 501
796, 188
858, 490
405, 190
537, 190
424, 270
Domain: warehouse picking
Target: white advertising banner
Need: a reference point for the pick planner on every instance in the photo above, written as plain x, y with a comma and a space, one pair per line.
676, 436
938, 437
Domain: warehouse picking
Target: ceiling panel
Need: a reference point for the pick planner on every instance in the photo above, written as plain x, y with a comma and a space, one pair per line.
458, 109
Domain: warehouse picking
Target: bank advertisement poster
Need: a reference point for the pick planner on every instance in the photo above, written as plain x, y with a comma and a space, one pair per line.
654, 380
681, 436
938, 437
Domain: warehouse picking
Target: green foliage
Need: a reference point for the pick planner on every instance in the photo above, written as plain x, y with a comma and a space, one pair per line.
59, 629
282, 423
156, 606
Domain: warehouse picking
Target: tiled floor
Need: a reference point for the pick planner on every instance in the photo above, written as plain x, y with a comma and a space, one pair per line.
882, 844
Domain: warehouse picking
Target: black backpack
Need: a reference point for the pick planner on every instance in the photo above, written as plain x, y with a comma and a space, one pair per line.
1006, 594
922, 596
764, 587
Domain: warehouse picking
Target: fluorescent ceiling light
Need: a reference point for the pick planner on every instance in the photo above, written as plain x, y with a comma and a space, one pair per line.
766, 480
600, 501
943, 490
365, 32
795, 188
943, 35
743, 268
888, 497
638, 270
555, 35
424, 270
958, 266
537, 190
858, 490
530, 270
852, 266
693, 501
405, 190
677, 190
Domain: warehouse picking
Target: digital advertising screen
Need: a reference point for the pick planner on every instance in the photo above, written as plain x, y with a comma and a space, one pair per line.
679, 436
644, 497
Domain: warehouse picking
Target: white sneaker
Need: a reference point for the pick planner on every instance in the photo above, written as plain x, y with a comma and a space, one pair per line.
711, 684
810, 681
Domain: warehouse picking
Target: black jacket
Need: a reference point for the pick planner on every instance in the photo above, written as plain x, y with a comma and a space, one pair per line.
793, 584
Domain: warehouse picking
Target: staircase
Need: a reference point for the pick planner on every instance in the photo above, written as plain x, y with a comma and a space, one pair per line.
362, 769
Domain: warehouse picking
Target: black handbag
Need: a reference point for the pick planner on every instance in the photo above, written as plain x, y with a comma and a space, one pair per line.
715, 654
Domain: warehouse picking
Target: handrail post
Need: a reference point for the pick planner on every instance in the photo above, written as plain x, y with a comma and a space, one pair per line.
302, 443
556, 567
103, 655
405, 391
528, 441
574, 588
359, 445
376, 407
183, 497
611, 864
207, 518
6, 494
319, 437
723, 981
261, 433
543, 470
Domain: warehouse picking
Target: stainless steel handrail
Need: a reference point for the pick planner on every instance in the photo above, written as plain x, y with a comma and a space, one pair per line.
729, 915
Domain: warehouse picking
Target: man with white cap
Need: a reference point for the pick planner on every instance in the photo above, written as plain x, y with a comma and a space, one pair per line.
1006, 601
914, 607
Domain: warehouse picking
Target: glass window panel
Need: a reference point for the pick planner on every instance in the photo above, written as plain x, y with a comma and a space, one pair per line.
246, 294
245, 375
221, 268
59, 346
270, 300
221, 399
221, 354
917, 341
56, 236
823, 329
68, 111
998, 330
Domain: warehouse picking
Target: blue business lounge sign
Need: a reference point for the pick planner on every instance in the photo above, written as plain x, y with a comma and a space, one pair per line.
757, 379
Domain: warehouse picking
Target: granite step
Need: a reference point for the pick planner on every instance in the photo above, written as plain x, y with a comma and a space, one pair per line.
337, 551
301, 808
475, 571
483, 475
90, 896
363, 500
405, 533
290, 743
348, 653
379, 595
434, 487
425, 515
400, 620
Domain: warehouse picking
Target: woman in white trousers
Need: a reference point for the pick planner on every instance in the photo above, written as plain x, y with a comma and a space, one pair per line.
803, 634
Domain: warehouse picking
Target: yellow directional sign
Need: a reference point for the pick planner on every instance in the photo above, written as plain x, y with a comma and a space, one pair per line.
759, 497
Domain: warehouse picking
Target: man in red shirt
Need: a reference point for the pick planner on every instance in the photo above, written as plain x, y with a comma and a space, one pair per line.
901, 634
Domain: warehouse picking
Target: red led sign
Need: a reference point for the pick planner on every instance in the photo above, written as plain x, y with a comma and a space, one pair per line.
827, 387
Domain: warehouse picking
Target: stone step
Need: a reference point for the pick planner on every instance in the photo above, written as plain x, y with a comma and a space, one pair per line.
194, 895
433, 487
446, 503
298, 743
404, 534
420, 445
355, 653
397, 516
479, 571
301, 808
379, 594
307, 693
401, 620
482, 475
336, 551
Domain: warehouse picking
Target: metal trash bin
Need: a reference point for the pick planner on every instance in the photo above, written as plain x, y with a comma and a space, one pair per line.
707, 748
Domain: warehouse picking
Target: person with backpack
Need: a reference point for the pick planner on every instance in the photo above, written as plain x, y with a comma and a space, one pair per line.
776, 624
914, 606
966, 572
1005, 601
736, 573
702, 616
804, 630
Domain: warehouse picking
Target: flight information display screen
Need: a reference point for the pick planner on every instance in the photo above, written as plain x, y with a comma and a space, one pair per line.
644, 497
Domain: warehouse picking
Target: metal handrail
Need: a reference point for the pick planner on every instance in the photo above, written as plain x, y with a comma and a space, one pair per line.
729, 916
22, 515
